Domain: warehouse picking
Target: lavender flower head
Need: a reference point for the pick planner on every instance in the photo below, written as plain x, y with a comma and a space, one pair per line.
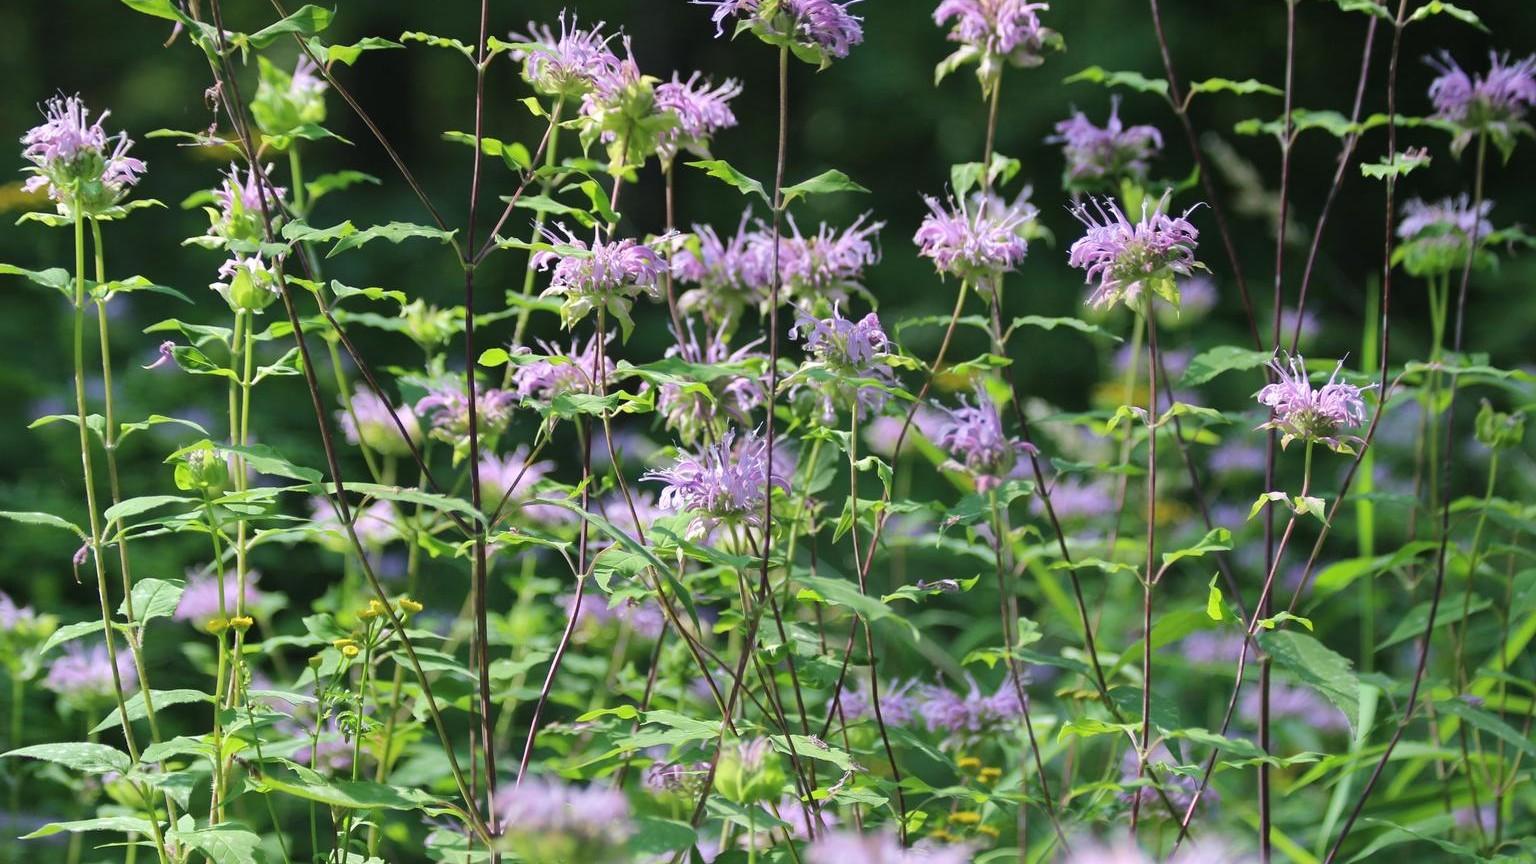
974, 438
1074, 499
374, 524
848, 349
200, 601
821, 30
1436, 235
608, 275
851, 847
1313, 415
731, 396
1098, 157
561, 371
240, 199
513, 477
446, 410
1495, 102
897, 703
992, 32
76, 161
549, 820
724, 484
371, 422
979, 242
13, 617
701, 109
82, 675
828, 264
729, 275
1128, 258
969, 717
567, 65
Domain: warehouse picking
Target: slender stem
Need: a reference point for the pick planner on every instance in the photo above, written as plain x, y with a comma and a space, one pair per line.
1148, 579
550, 161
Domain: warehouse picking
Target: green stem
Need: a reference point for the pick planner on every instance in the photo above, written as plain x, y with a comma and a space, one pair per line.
550, 161
1365, 508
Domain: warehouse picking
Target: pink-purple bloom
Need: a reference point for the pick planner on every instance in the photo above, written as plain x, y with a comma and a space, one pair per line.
975, 439
725, 483
207, 596
1311, 414
828, 264
979, 242
849, 349
732, 397
75, 159
993, 32
824, 26
729, 274
701, 109
372, 422
550, 820
1099, 156
84, 674
1436, 235
608, 274
244, 202
446, 410
853, 847
1127, 258
560, 372
12, 616
512, 477
1495, 102
568, 64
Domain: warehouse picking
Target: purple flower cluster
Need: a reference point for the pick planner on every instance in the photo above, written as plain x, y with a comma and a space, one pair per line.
994, 31
824, 26
1313, 415
828, 264
371, 422
513, 477
1127, 258
1074, 499
374, 523
567, 65
701, 110
240, 198
729, 274
83, 674
200, 599
897, 704
1296, 703
724, 483
978, 243
609, 274
247, 283
13, 617
1495, 102
851, 349
731, 397
968, 716
561, 372
852, 847
446, 410
1436, 234
1099, 156
549, 820
974, 438
645, 617
76, 161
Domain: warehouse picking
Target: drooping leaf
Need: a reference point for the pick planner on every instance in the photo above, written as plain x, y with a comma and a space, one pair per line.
1226, 358
723, 170
822, 184
77, 756
394, 232
1317, 666
1134, 80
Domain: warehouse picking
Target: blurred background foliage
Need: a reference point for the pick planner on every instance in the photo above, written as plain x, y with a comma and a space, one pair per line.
877, 116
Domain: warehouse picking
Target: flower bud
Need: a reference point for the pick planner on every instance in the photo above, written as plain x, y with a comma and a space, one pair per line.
1497, 430
241, 623
200, 468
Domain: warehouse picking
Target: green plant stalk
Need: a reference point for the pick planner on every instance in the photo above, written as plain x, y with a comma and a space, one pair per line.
1365, 509
216, 792
242, 526
357, 733
109, 445
550, 161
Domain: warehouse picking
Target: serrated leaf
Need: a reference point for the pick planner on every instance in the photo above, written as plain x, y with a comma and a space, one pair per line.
137, 711
1245, 87
1134, 80
824, 183
225, 843
1226, 358
723, 170
305, 21
154, 598
77, 756
394, 232
1399, 165
1317, 666
1215, 540
117, 824
33, 517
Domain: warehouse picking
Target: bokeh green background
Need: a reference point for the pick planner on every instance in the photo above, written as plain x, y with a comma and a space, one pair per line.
877, 116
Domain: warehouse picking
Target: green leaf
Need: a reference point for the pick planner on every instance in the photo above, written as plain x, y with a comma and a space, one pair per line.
347, 794
1411, 625
1245, 87
1213, 602
623, 712
1436, 7
1226, 358
1133, 80
841, 592
154, 598
348, 54
394, 232
137, 711
1399, 165
156, 8
822, 184
56, 278
1317, 666
118, 824
69, 633
438, 42
656, 836
36, 518
1216, 540
1488, 722
1264, 499
1044, 323
722, 170
325, 184
225, 843
142, 504
265, 460
306, 21
78, 756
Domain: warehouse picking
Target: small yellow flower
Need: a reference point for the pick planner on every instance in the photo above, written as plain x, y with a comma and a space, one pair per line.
217, 625
241, 623
989, 775
989, 830
349, 650
968, 763
410, 606
965, 817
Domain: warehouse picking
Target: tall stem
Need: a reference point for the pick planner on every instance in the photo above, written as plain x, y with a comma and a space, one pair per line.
1151, 561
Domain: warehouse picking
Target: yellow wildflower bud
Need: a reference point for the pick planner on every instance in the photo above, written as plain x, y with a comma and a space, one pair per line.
968, 763
965, 817
217, 625
241, 623
410, 606
349, 650
990, 775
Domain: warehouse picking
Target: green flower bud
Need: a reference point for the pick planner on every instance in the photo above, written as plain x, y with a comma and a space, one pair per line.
200, 468
1498, 430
